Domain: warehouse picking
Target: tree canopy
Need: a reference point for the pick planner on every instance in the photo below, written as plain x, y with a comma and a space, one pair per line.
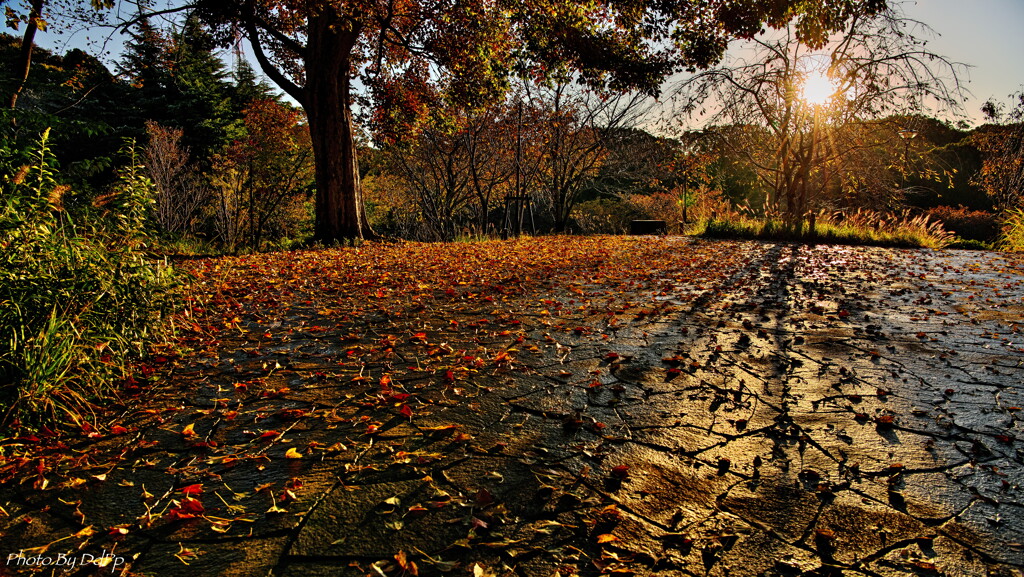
409, 54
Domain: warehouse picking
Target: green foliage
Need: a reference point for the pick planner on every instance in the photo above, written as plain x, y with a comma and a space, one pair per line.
79, 302
860, 227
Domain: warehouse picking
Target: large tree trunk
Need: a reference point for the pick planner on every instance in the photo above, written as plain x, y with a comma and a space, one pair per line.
340, 215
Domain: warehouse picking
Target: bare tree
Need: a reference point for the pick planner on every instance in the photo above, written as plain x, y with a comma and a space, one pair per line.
575, 128
181, 194
812, 120
436, 167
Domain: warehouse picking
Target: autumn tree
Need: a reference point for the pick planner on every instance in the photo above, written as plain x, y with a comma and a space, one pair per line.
810, 118
410, 53
261, 180
1002, 147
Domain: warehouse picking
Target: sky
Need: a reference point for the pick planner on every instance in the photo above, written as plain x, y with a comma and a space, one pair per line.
987, 35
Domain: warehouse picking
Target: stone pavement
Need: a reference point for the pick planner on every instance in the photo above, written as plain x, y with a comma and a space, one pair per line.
730, 409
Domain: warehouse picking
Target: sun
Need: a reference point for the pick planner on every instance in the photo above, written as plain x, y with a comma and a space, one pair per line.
818, 89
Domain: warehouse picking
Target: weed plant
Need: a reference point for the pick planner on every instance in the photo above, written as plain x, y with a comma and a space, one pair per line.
79, 298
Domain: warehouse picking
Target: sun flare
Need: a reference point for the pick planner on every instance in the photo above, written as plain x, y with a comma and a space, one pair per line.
818, 88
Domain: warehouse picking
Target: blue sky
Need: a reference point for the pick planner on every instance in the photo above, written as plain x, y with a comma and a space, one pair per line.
986, 34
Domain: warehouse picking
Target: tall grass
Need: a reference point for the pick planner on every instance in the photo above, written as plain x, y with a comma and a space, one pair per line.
860, 227
79, 298
1012, 238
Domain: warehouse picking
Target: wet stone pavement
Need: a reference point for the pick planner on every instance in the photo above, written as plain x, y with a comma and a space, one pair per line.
667, 407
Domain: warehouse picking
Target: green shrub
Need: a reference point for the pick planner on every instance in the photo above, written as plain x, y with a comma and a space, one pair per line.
78, 300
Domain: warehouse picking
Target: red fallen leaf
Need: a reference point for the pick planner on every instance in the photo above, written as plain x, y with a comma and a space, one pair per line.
176, 513
885, 421
277, 393
399, 397
484, 497
193, 506
406, 411
117, 532
270, 434
449, 376
190, 490
844, 313
1004, 439
620, 471
612, 356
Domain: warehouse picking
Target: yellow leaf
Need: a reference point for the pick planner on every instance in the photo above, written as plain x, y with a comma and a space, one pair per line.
87, 532
606, 538
292, 453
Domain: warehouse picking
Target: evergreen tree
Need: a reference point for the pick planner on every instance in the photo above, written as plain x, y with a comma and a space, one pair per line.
248, 86
202, 105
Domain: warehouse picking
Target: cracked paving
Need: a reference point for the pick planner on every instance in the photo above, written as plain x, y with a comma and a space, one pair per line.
619, 406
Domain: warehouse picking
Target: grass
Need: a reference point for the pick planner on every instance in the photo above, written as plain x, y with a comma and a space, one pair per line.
79, 298
1012, 238
860, 227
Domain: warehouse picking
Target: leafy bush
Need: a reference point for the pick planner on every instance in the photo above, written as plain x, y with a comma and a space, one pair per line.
77, 301
967, 224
